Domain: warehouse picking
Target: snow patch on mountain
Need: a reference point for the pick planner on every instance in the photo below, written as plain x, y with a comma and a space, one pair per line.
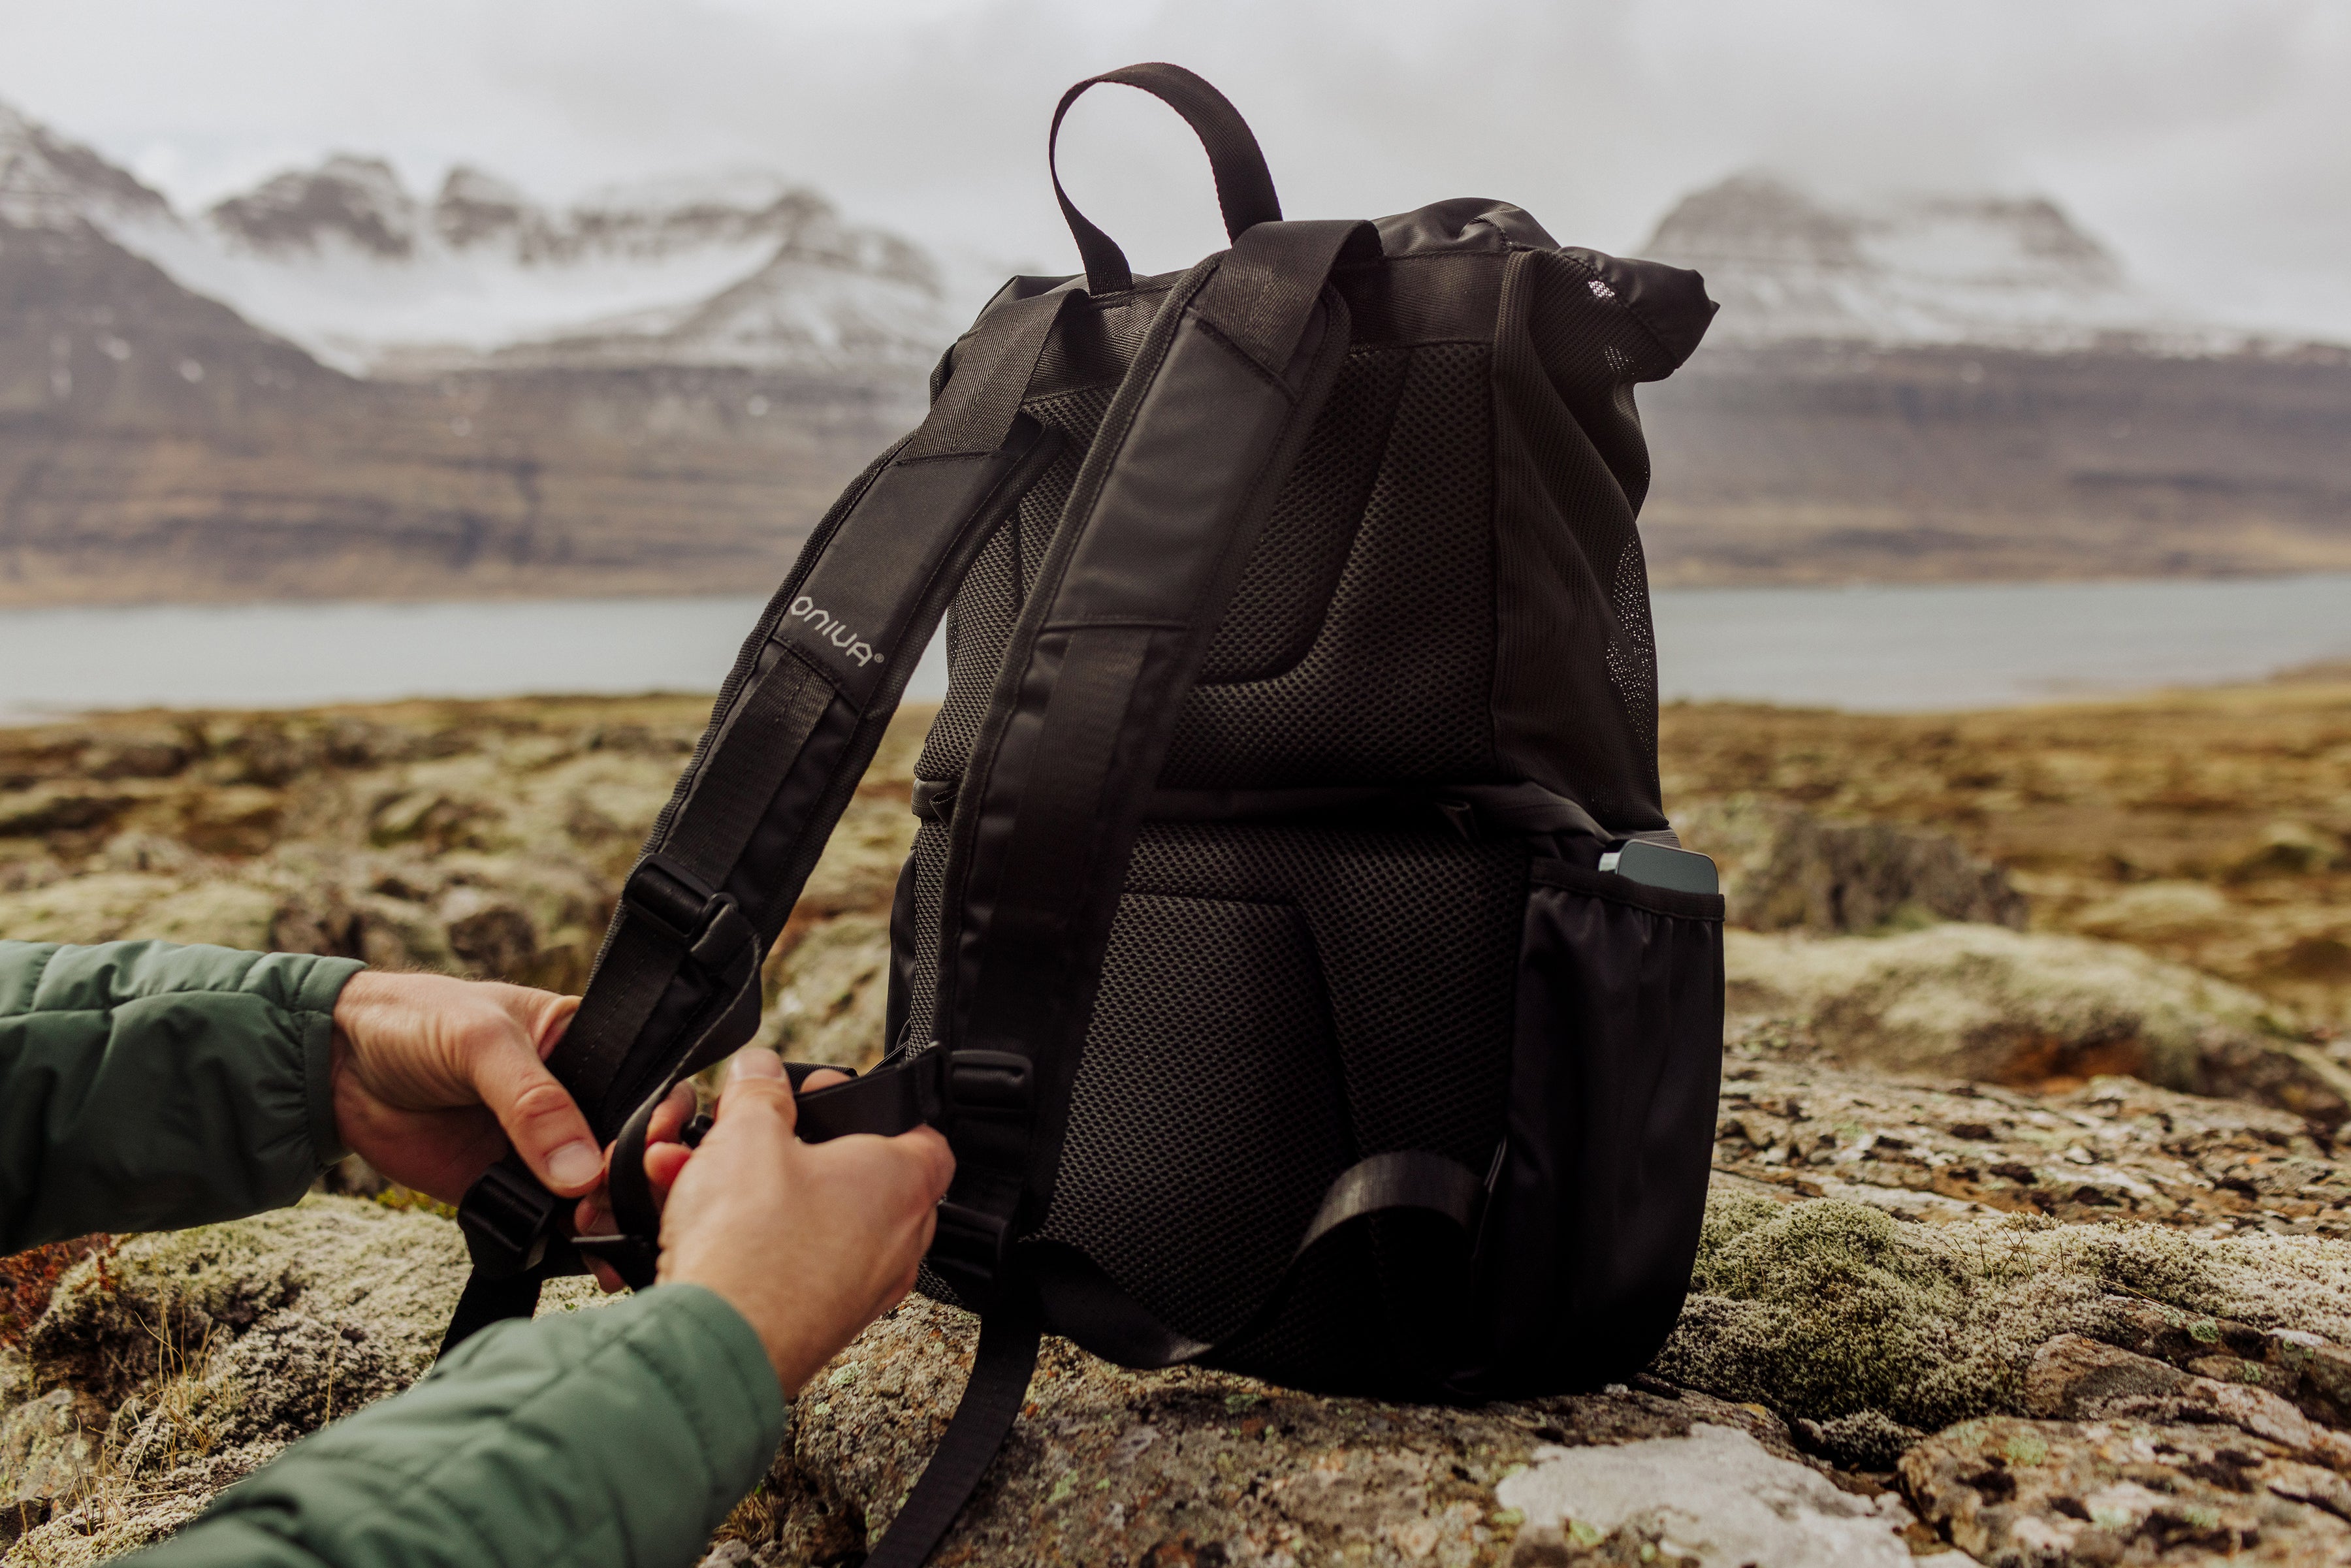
46, 182
738, 267
1933, 269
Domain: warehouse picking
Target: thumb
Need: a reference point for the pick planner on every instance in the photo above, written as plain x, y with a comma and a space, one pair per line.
539, 1118
758, 1076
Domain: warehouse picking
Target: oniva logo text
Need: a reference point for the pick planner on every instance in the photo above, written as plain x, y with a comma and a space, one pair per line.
849, 643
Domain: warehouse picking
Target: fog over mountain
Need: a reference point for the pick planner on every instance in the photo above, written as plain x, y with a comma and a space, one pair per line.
743, 268
332, 383
330, 386
1961, 385
1945, 267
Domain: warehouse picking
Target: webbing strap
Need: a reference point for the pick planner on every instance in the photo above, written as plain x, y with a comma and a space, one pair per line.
992, 1399
1084, 1303
488, 1298
676, 986
1245, 191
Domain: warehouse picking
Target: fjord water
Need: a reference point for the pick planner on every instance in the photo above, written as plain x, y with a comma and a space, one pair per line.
1884, 649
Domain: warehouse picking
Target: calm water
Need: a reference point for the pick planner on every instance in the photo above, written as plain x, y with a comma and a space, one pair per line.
1886, 649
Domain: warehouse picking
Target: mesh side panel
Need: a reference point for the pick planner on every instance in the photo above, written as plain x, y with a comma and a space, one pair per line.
1286, 586
1207, 1119
1395, 685
1633, 644
979, 622
921, 966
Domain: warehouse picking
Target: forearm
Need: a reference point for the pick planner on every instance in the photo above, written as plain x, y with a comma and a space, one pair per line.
145, 1086
615, 1436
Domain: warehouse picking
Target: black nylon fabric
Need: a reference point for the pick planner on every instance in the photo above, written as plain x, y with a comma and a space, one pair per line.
1448, 594
1271, 1006
1617, 1060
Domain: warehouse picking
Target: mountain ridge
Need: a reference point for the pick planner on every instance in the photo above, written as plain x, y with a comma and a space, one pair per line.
333, 384
1919, 268
373, 279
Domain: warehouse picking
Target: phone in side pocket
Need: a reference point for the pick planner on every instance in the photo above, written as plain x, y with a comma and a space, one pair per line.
1659, 865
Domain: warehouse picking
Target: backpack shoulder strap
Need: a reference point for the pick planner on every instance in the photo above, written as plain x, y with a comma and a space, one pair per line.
1178, 484
678, 984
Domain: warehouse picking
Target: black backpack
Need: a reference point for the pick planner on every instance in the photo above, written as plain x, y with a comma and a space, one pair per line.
1293, 949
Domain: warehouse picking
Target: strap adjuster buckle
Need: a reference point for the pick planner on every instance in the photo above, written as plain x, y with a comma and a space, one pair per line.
506, 1216
991, 1102
707, 922
968, 1247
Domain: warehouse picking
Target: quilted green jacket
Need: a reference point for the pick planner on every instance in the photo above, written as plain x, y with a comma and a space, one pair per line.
145, 1087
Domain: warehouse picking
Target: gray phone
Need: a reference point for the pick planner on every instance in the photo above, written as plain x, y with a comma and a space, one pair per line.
1659, 865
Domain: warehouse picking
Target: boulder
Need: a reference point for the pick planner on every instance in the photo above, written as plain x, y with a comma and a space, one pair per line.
1784, 868
1188, 1467
2040, 1008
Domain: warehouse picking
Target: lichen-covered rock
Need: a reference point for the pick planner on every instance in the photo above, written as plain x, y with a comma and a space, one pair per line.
2115, 1148
161, 1301
47, 1458
2019, 1492
2034, 1010
1188, 1466
171, 1366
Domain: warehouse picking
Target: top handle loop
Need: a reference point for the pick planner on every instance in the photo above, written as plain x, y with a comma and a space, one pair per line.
1244, 187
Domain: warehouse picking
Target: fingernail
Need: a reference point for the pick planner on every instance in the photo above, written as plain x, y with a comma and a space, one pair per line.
574, 1165
756, 1063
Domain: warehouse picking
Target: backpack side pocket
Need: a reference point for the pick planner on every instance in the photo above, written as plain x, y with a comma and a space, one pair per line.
1593, 1225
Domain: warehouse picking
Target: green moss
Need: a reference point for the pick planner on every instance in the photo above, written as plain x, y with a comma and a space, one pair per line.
1826, 1309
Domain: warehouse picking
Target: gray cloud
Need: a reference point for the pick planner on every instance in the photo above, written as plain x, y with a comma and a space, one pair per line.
2206, 142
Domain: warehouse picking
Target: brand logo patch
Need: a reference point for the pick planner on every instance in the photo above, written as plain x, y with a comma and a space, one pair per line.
850, 645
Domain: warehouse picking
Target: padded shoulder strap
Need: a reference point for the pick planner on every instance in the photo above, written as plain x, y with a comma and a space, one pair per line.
1178, 484
1190, 458
678, 984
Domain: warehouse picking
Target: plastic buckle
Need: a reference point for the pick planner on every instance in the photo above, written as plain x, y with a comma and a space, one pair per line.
506, 1217
708, 925
991, 1108
968, 1247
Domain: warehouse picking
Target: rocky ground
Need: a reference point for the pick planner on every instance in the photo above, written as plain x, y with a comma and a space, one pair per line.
2027, 1240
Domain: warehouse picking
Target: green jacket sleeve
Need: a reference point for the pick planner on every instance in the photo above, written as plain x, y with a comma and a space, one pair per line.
599, 1439
146, 1087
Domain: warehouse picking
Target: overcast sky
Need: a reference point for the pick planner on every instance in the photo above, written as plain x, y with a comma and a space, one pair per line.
2208, 140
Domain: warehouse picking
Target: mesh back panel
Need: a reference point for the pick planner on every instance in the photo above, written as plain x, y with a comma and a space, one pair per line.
1279, 603
1225, 1061
1418, 937
1280, 1000
1393, 686
1359, 647
979, 622
1246, 960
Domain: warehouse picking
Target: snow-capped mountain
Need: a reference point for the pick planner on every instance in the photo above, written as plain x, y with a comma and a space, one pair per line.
343, 260
46, 182
1992, 271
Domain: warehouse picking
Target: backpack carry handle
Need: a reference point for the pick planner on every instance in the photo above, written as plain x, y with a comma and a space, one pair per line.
1244, 185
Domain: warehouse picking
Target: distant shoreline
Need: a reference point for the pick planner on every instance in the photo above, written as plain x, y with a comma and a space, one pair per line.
1878, 648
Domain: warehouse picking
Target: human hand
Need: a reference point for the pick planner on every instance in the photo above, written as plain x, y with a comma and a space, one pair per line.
808, 1242
433, 1076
